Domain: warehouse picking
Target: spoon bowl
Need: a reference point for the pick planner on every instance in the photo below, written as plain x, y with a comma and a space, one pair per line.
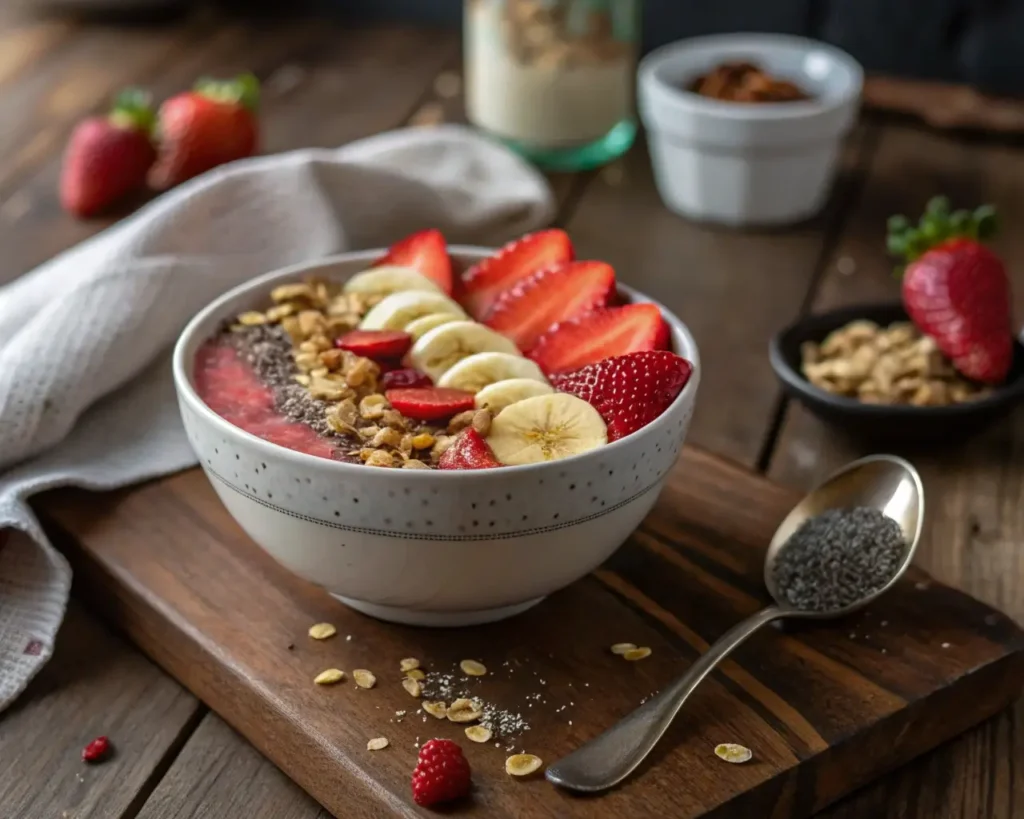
883, 482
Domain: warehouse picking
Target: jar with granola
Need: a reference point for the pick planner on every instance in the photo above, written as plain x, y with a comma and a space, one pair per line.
554, 78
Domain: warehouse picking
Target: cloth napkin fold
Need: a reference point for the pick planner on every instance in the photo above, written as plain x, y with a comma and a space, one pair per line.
86, 397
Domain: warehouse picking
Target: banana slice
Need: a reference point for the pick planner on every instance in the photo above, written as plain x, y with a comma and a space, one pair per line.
501, 394
397, 310
546, 428
423, 324
439, 349
477, 371
388, 279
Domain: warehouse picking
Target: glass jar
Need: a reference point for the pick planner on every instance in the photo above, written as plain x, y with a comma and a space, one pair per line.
554, 78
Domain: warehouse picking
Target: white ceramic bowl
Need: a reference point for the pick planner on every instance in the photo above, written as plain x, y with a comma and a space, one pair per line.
747, 163
428, 547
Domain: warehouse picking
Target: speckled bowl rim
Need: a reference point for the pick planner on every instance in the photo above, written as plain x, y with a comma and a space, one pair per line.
683, 343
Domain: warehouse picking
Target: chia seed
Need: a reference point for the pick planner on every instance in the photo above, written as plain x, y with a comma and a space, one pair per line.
838, 558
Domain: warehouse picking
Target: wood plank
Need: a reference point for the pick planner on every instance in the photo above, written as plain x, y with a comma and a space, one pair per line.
975, 523
314, 76
825, 711
95, 684
219, 774
733, 289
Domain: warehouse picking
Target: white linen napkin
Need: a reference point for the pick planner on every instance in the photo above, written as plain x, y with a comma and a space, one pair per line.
86, 397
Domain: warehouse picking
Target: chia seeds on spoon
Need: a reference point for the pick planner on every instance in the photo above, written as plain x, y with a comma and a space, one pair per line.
837, 558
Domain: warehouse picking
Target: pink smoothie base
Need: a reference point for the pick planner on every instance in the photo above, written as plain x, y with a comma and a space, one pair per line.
231, 389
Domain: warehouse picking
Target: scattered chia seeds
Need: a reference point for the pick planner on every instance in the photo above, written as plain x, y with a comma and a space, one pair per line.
837, 558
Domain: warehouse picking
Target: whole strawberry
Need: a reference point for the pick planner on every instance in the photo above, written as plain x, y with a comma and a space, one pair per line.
108, 157
200, 129
441, 775
955, 289
628, 390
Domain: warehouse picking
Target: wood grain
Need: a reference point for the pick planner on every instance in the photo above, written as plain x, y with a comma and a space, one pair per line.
219, 774
825, 709
732, 289
975, 523
95, 684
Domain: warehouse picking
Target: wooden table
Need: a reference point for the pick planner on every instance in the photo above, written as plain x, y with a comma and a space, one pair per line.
328, 84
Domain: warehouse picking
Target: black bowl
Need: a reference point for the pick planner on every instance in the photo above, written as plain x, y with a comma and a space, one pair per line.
879, 422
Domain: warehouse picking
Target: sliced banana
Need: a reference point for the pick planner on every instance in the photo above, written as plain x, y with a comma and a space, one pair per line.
501, 394
388, 279
419, 327
397, 310
441, 348
477, 371
546, 428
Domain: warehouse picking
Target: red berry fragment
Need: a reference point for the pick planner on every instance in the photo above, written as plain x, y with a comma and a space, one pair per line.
376, 344
441, 775
405, 377
430, 403
469, 451
426, 252
630, 390
97, 750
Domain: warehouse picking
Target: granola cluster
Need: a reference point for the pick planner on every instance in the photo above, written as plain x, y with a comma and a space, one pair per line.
313, 315
886, 365
746, 82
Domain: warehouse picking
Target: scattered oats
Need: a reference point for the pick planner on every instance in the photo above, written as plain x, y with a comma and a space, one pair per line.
409, 664
622, 648
945, 645
321, 631
920, 585
522, 764
379, 457
853, 635
400, 714
348, 638
436, 708
252, 319
733, 753
414, 463
416, 674
464, 710
637, 654
329, 677
412, 686
378, 744
473, 668
364, 678
479, 733
884, 623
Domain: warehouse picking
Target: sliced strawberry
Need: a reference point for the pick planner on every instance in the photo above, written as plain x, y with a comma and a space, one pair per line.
379, 345
534, 304
484, 281
600, 334
425, 251
404, 377
629, 390
429, 403
469, 451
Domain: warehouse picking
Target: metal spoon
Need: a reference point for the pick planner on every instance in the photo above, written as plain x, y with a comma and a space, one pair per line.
882, 482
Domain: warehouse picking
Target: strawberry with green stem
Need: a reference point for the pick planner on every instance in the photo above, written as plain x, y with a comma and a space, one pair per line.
108, 157
200, 129
955, 289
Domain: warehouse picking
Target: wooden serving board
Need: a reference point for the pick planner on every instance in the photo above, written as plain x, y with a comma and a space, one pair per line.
824, 708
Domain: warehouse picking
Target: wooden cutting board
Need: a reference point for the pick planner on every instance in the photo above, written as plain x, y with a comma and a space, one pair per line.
824, 708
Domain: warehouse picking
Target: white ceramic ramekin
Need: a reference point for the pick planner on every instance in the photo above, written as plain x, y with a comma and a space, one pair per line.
747, 163
428, 547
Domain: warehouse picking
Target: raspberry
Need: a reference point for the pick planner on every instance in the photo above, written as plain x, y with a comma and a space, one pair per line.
441, 775
97, 750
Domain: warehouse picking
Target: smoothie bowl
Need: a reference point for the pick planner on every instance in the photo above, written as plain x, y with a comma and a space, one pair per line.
433, 457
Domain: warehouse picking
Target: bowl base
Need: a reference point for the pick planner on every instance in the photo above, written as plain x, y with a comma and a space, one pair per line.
437, 619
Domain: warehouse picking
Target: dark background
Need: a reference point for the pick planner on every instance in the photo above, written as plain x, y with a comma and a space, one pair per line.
980, 42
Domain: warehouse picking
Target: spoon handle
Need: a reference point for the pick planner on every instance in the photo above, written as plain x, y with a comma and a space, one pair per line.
611, 757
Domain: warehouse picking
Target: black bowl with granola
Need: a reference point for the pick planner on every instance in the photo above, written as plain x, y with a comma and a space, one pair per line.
868, 370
